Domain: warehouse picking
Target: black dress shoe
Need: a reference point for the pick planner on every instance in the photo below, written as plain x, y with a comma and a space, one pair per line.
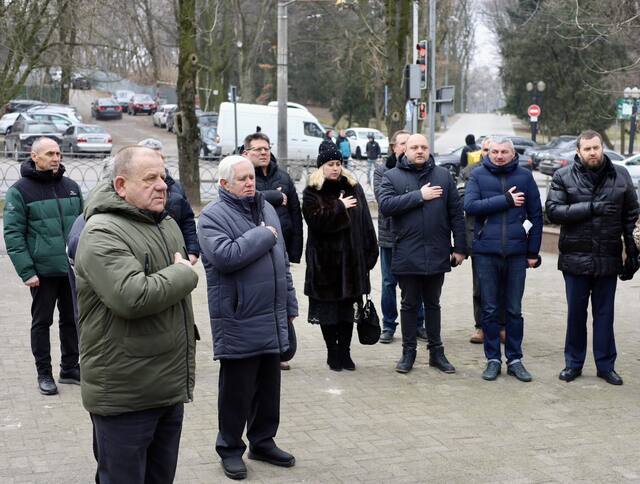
570, 374
234, 468
46, 385
275, 456
610, 377
438, 360
71, 376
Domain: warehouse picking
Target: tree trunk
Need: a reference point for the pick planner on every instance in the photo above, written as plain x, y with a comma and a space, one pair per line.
186, 122
397, 19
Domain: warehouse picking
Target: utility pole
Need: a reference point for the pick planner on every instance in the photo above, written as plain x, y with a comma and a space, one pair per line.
432, 66
283, 81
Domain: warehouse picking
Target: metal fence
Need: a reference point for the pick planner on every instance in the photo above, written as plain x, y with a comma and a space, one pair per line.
87, 172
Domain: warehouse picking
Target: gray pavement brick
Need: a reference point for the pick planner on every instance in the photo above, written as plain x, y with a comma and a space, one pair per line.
371, 425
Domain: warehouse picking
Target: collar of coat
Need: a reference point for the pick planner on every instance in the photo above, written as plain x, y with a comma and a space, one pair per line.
28, 170
317, 178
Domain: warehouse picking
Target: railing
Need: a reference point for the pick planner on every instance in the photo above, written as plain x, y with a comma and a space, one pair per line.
87, 172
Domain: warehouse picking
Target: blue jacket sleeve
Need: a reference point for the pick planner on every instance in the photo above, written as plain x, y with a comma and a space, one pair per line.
533, 205
391, 204
74, 236
474, 204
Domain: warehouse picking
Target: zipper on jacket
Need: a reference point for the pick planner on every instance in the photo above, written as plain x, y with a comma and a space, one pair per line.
504, 219
184, 313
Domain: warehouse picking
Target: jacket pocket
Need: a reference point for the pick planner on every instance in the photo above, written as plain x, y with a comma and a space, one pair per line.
148, 345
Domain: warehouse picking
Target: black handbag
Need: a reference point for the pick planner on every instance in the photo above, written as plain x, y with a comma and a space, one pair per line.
368, 323
293, 344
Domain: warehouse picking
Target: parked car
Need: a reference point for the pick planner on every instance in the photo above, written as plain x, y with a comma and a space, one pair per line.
358, 139
106, 108
86, 138
451, 160
24, 132
6, 122
160, 116
141, 103
78, 81
61, 115
122, 97
20, 105
210, 147
632, 164
557, 145
551, 162
207, 118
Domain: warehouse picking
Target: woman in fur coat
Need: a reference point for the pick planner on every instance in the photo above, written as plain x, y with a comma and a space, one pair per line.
341, 250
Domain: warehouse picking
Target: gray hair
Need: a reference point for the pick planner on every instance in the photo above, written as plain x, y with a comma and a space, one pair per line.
488, 140
37, 144
226, 168
502, 140
124, 158
152, 143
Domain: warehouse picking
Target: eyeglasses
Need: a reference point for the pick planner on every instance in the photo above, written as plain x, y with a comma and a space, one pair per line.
260, 150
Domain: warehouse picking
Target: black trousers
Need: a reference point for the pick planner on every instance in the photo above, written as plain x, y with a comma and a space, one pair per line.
248, 394
415, 289
138, 447
53, 290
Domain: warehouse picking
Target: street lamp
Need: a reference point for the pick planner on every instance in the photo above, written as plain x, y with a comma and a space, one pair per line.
633, 93
535, 89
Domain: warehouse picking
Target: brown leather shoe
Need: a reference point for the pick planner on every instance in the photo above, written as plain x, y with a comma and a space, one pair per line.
503, 336
478, 337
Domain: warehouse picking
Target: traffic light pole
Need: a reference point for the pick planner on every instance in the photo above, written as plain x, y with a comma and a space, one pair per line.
414, 111
432, 67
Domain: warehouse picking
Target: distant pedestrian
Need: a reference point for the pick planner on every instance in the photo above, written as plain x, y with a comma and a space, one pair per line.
327, 142
388, 304
505, 201
470, 148
596, 205
425, 208
251, 301
39, 211
344, 146
373, 153
341, 250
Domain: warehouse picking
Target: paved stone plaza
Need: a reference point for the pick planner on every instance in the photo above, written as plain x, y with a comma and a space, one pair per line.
371, 425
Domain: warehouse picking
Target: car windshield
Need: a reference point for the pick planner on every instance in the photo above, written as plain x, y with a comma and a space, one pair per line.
145, 98
90, 129
208, 119
40, 128
106, 101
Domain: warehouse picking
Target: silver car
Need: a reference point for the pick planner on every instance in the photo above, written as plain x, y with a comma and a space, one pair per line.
86, 139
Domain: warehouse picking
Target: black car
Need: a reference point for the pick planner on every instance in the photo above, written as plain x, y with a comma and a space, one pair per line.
20, 105
80, 82
24, 132
106, 108
553, 161
556, 146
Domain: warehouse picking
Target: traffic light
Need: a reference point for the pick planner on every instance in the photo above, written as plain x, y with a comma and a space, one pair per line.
422, 110
421, 60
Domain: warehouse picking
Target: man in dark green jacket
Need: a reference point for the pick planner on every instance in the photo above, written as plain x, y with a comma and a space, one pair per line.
137, 335
39, 211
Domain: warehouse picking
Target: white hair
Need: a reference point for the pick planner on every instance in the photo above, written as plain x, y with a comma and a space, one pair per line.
226, 168
502, 140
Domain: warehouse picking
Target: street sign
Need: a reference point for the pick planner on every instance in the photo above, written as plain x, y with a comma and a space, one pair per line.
534, 111
624, 107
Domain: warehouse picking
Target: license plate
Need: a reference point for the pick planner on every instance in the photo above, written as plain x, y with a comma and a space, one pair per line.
95, 140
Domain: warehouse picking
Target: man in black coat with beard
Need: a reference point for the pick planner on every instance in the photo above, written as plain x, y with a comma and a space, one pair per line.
596, 205
278, 189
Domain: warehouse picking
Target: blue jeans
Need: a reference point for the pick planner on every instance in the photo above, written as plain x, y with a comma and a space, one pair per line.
388, 301
502, 278
602, 291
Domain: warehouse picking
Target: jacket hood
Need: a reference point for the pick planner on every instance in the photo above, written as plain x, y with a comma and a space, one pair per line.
500, 170
316, 179
28, 170
405, 164
104, 199
251, 207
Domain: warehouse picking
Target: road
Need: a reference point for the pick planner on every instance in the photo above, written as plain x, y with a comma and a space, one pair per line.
477, 124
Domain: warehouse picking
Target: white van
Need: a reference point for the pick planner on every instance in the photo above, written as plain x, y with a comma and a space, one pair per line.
305, 132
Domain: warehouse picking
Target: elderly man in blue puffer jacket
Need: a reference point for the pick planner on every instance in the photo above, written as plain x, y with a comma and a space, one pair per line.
251, 299
505, 201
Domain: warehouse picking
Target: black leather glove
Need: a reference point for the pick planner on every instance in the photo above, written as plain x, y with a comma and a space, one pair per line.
631, 266
603, 208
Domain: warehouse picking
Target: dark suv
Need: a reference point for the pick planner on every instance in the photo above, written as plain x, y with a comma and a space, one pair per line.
24, 132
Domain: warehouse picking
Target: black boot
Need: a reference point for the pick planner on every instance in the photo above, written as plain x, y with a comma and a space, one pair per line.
330, 335
406, 362
345, 331
438, 360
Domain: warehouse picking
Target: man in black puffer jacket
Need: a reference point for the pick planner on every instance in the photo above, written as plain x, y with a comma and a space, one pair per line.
425, 208
596, 205
278, 189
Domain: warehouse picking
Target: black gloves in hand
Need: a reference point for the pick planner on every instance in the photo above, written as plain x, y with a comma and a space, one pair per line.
603, 208
510, 199
631, 266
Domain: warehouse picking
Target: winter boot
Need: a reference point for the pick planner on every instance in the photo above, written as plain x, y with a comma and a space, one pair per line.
438, 360
330, 335
345, 331
406, 362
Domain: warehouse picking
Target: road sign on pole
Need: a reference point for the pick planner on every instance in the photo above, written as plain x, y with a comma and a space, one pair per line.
534, 111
